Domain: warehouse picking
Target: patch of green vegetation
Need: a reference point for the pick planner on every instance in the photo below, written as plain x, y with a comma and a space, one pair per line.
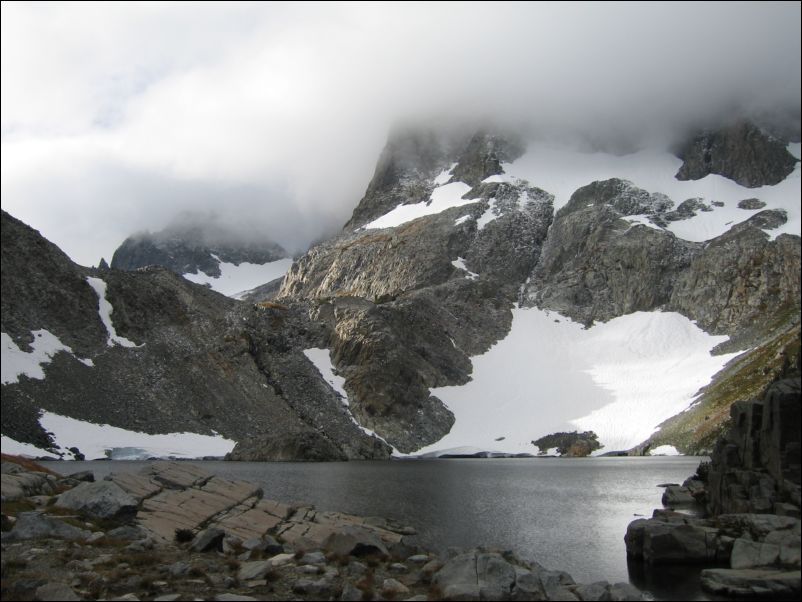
747, 376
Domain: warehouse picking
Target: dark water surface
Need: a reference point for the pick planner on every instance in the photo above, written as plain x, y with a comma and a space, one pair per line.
565, 513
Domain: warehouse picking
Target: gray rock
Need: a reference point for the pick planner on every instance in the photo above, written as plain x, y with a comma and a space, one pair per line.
127, 598
35, 525
208, 539
461, 591
55, 591
747, 554
126, 533
418, 559
310, 569
528, 587
254, 570
233, 598
599, 590
397, 567
625, 591
103, 499
350, 592
84, 475
354, 541
752, 203
677, 496
167, 598
313, 558
752, 583
179, 569
392, 587
317, 587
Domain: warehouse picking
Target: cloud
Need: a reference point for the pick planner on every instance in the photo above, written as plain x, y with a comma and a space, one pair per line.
117, 117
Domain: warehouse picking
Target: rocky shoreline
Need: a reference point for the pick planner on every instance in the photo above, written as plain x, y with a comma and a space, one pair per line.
175, 532
749, 496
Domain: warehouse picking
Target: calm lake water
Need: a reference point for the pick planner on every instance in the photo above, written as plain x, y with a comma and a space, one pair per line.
567, 513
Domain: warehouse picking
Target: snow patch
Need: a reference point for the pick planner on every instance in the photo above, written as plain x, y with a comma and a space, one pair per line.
620, 379
15, 448
561, 171
16, 362
488, 216
236, 280
459, 263
103, 440
321, 359
104, 310
445, 175
641, 220
462, 220
665, 450
443, 197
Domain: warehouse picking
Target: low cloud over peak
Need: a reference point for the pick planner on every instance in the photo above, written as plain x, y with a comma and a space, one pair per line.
116, 118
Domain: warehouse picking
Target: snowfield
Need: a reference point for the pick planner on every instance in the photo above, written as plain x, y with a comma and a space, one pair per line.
235, 280
561, 171
105, 441
16, 362
443, 197
620, 379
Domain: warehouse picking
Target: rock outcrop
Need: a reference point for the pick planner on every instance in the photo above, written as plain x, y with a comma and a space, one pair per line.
741, 152
751, 492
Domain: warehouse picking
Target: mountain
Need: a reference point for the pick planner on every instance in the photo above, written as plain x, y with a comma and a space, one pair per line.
457, 248
151, 353
488, 290
203, 250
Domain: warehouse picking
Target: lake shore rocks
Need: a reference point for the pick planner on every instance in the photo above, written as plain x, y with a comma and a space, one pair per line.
750, 495
195, 536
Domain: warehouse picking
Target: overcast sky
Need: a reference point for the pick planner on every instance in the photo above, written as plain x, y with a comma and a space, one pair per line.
117, 117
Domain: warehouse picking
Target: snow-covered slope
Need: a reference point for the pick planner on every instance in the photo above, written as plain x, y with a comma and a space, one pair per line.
16, 362
442, 198
620, 379
561, 171
237, 279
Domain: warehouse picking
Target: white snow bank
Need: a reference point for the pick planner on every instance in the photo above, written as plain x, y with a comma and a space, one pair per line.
443, 197
620, 379
561, 171
445, 175
104, 310
664, 450
102, 440
235, 280
459, 263
15, 448
488, 216
16, 362
321, 359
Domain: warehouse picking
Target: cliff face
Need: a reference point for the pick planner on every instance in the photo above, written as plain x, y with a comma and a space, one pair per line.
756, 465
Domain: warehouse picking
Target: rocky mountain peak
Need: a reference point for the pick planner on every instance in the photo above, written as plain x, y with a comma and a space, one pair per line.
741, 151
194, 245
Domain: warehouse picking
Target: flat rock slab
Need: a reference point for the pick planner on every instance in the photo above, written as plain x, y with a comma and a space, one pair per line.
752, 583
